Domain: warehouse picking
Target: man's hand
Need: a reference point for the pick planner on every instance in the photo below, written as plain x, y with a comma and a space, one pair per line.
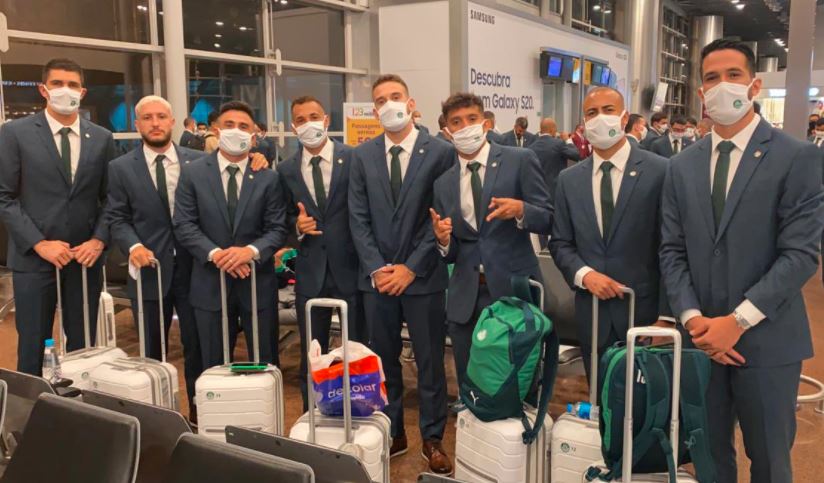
697, 326
141, 257
399, 279
382, 276
55, 252
602, 286
662, 340
258, 161
505, 209
242, 271
719, 339
279, 256
88, 252
442, 227
232, 258
306, 224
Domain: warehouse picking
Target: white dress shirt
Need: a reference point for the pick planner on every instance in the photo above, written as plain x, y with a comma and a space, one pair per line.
746, 309
408, 145
223, 163
326, 154
74, 140
818, 141
680, 143
467, 202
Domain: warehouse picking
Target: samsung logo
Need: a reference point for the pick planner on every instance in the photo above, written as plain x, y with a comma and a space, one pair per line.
482, 17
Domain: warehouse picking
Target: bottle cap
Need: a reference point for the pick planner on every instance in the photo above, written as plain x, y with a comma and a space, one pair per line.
584, 410
569, 407
49, 343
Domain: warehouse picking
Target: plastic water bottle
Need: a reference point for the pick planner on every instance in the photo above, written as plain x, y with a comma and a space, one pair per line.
580, 409
51, 363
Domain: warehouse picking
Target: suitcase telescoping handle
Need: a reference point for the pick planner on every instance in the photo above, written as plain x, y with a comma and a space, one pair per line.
86, 330
540, 287
224, 315
593, 357
632, 335
141, 330
343, 307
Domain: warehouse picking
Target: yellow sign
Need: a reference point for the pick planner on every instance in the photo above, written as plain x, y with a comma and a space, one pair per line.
587, 72
359, 123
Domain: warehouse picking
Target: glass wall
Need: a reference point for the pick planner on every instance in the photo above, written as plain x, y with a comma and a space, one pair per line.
306, 33
217, 25
213, 83
596, 17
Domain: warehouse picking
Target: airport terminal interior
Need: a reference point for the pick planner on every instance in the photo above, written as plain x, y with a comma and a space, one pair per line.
665, 77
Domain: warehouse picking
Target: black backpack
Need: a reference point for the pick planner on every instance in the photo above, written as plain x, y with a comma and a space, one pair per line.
196, 142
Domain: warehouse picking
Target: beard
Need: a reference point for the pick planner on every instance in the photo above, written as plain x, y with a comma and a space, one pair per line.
158, 143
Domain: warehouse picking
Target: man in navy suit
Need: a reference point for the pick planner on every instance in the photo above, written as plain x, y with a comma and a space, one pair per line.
659, 123
401, 274
486, 205
188, 132
52, 195
316, 183
607, 227
518, 137
636, 129
669, 144
553, 154
742, 220
492, 134
227, 216
818, 135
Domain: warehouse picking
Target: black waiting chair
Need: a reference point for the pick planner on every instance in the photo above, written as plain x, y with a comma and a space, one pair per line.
23, 391
433, 478
197, 459
67, 440
160, 429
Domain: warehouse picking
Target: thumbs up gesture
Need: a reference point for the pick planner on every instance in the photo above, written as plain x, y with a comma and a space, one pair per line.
442, 227
306, 224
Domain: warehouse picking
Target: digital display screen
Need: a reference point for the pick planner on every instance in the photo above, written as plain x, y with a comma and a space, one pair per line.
597, 70
605, 76
554, 69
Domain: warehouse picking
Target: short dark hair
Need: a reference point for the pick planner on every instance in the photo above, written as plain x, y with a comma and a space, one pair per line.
460, 100
390, 78
305, 100
692, 120
188, 121
441, 121
261, 126
522, 122
212, 117
633, 120
489, 115
236, 106
658, 117
202, 124
820, 122
62, 64
678, 119
729, 44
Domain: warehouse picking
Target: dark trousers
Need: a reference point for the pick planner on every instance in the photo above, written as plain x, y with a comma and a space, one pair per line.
177, 300
322, 320
461, 334
424, 316
35, 300
586, 349
762, 400
210, 332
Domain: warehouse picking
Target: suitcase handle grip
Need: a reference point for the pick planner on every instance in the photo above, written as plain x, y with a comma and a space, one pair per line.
141, 330
593, 356
224, 315
86, 329
343, 307
632, 335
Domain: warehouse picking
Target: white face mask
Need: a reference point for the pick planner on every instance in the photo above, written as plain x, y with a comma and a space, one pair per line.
728, 102
662, 127
604, 130
643, 132
469, 139
64, 100
678, 135
690, 132
311, 134
235, 142
394, 116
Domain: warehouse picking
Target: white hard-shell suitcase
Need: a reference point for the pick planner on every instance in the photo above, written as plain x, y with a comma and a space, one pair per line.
627, 476
253, 401
487, 452
79, 364
106, 328
368, 438
140, 378
576, 442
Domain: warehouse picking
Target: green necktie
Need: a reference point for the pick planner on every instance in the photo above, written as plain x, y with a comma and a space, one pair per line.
719, 180
317, 180
66, 150
395, 173
607, 203
231, 193
675, 146
477, 189
160, 178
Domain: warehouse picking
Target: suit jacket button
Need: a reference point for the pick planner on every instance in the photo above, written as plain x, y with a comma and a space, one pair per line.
717, 252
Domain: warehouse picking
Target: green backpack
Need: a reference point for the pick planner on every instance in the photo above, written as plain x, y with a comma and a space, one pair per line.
651, 446
504, 367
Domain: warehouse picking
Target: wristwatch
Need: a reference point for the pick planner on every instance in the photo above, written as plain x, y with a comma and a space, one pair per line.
741, 321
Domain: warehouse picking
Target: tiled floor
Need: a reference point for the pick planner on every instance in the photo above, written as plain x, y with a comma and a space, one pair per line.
807, 455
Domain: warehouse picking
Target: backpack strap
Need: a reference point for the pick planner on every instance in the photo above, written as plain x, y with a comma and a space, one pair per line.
693, 414
522, 290
550, 362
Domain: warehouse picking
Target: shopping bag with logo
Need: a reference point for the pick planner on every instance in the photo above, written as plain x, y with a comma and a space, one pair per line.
365, 377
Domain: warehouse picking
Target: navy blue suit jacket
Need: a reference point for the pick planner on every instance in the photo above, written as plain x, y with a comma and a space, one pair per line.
553, 155
201, 223
136, 214
494, 137
500, 246
508, 139
652, 136
334, 248
387, 234
663, 147
764, 250
630, 256
38, 201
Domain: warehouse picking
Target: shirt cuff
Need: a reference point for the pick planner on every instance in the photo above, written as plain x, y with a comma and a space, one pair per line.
443, 249
689, 314
212, 254
257, 252
580, 274
299, 234
133, 247
750, 313
667, 319
520, 222
372, 277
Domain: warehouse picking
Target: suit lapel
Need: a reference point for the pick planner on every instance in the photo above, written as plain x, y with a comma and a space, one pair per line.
144, 177
416, 158
493, 164
586, 200
337, 167
702, 185
86, 140
246, 190
632, 173
383, 170
213, 176
48, 141
755, 152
